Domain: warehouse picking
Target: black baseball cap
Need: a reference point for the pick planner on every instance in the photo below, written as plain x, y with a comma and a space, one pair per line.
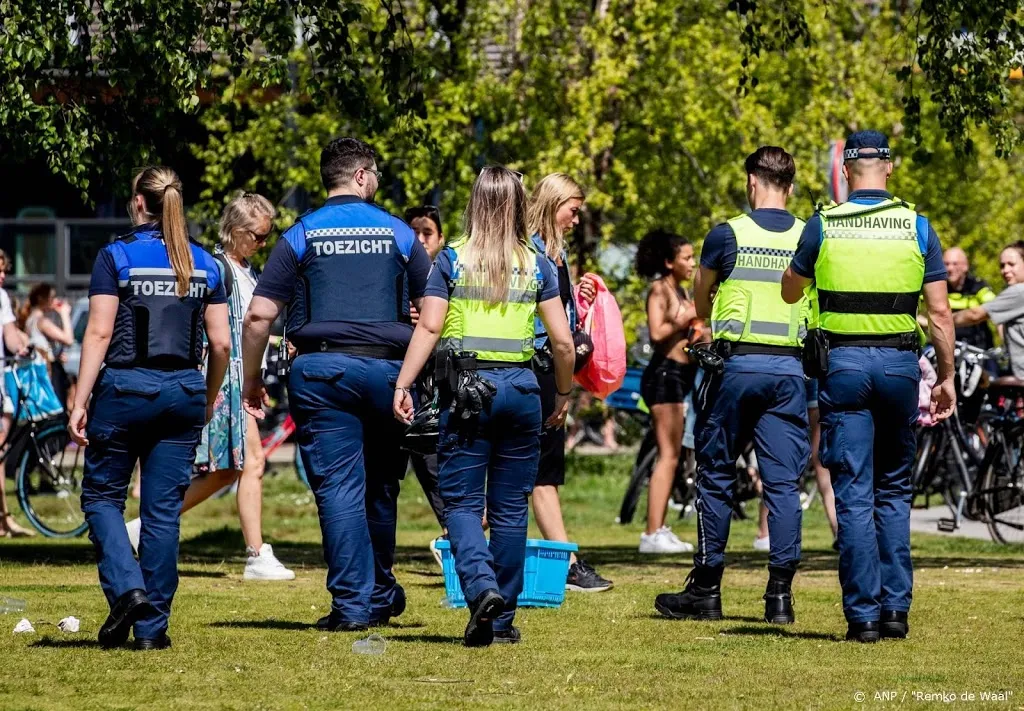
866, 144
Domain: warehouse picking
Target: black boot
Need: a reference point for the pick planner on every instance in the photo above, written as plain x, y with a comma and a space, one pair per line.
778, 597
701, 599
893, 625
482, 611
127, 610
866, 632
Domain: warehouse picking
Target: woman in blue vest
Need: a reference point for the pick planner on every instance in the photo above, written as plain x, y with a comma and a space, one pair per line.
152, 293
487, 284
230, 449
554, 211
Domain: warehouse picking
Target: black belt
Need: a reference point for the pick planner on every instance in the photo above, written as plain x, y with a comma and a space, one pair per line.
382, 352
899, 341
732, 348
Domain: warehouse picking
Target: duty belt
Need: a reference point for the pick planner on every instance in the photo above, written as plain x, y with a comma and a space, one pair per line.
382, 352
727, 349
899, 341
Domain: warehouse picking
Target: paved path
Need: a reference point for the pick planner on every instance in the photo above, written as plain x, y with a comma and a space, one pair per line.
926, 521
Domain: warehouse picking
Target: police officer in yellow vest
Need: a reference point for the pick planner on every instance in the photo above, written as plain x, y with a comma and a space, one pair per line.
869, 259
760, 396
481, 298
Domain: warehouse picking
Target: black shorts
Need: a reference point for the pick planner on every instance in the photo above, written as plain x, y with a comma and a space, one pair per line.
667, 381
551, 471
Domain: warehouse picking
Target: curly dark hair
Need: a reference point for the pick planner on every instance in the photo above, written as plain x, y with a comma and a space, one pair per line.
656, 248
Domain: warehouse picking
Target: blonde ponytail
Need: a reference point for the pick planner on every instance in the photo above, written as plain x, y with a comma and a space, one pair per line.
160, 187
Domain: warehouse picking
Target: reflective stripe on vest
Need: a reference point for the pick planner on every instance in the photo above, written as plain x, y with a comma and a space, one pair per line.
749, 307
870, 269
494, 331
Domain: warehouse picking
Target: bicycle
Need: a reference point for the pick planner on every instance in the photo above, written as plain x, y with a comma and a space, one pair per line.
46, 466
997, 496
949, 454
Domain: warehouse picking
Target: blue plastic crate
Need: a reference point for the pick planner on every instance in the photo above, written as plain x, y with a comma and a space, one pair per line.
547, 564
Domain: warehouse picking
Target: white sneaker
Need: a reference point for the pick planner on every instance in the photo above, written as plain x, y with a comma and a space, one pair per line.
436, 553
663, 541
264, 566
762, 544
134, 531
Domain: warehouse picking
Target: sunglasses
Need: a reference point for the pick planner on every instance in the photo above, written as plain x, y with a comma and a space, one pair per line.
259, 238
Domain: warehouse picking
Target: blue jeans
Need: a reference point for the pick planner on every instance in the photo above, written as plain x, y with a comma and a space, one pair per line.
153, 417
771, 410
348, 439
868, 410
493, 462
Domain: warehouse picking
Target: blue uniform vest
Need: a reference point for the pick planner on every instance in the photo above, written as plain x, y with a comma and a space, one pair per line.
351, 267
154, 327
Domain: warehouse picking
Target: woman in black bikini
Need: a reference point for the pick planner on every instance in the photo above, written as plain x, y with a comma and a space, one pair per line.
667, 259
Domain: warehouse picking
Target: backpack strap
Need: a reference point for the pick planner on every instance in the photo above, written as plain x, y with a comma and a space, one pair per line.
227, 274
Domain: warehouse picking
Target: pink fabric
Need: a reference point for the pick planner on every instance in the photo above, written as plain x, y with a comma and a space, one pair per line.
602, 320
924, 393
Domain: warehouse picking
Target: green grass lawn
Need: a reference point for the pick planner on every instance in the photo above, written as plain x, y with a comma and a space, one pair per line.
251, 645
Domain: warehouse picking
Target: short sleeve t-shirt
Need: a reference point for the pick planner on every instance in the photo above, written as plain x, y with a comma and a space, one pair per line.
719, 253
810, 242
1007, 310
439, 283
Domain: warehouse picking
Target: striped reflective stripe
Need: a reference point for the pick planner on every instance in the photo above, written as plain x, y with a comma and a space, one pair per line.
759, 328
751, 274
479, 343
350, 232
483, 293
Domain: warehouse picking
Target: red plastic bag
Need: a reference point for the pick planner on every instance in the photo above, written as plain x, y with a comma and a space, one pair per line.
602, 321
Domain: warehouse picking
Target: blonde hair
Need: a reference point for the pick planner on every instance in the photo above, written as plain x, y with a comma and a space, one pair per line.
551, 193
160, 188
495, 228
242, 213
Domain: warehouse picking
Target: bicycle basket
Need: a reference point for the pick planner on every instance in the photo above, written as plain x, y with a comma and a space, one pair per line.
28, 385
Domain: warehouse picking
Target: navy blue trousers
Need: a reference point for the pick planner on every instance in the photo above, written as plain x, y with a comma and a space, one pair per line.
771, 411
349, 442
494, 463
868, 411
153, 417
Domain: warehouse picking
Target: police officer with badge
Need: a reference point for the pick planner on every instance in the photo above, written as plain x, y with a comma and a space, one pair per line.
760, 397
869, 259
347, 272
152, 294
480, 303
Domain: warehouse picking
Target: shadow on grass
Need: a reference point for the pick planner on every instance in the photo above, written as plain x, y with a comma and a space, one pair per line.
202, 574
216, 545
67, 643
775, 631
265, 624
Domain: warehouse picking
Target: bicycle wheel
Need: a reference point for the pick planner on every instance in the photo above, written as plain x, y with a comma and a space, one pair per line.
638, 479
923, 473
49, 482
1002, 498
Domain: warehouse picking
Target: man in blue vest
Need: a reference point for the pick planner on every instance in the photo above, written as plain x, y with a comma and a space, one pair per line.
347, 272
869, 259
